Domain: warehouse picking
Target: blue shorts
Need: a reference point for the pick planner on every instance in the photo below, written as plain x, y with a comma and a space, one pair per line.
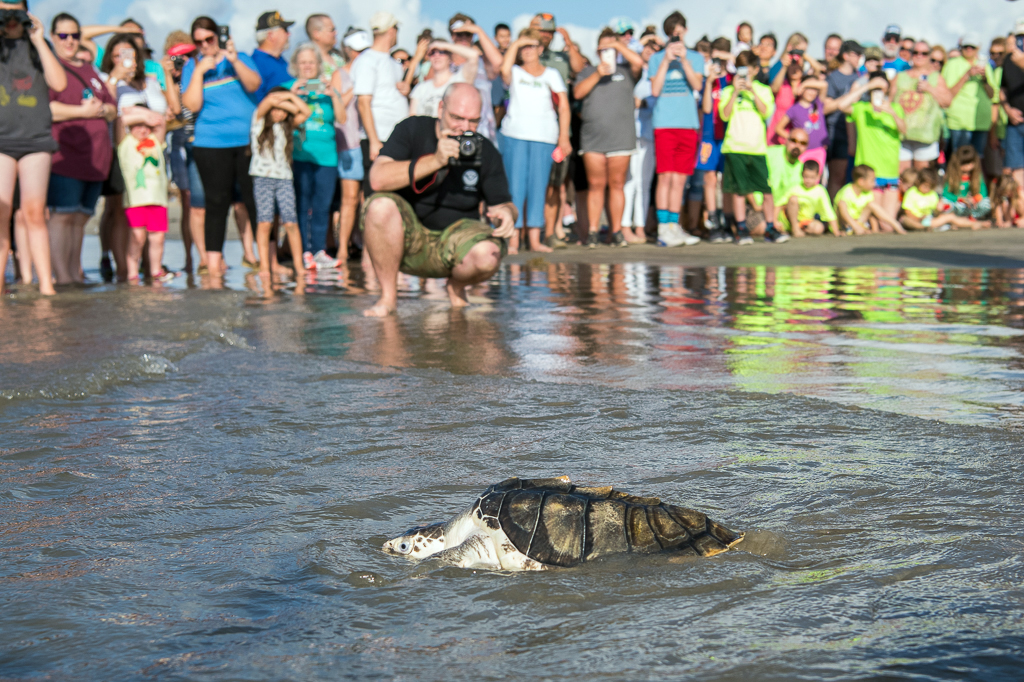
197, 196
887, 183
178, 155
68, 195
1014, 145
350, 164
709, 156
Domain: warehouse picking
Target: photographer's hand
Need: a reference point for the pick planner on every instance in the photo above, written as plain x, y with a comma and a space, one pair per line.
447, 148
504, 220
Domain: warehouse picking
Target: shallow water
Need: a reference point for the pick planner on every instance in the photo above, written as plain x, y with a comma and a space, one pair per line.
195, 484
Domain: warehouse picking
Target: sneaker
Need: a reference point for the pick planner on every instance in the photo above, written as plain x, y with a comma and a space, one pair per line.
743, 238
324, 262
163, 276
619, 239
670, 234
554, 242
592, 240
307, 261
688, 239
719, 236
776, 237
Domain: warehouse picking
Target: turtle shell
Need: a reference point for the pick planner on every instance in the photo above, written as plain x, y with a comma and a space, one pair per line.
554, 522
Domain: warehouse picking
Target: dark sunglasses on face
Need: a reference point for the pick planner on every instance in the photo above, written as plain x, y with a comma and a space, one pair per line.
65, 36
433, 53
799, 143
936, 61
209, 40
921, 54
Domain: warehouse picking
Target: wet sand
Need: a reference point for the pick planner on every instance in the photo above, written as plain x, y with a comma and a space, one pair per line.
982, 249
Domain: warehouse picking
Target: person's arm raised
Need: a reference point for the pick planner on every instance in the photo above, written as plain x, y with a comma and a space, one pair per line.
53, 72
192, 98
472, 64
658, 78
249, 78
846, 102
492, 55
584, 87
510, 59
576, 60
635, 61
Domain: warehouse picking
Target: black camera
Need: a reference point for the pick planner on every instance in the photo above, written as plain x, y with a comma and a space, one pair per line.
20, 15
223, 35
179, 61
471, 149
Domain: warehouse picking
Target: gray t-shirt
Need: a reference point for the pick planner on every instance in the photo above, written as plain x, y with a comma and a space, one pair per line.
838, 85
608, 123
25, 120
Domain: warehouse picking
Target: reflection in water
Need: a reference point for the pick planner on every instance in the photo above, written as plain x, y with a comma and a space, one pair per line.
922, 341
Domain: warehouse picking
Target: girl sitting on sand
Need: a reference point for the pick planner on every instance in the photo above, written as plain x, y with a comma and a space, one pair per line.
1007, 206
965, 193
921, 207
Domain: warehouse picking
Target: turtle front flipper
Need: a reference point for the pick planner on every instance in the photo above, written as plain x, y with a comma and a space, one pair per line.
477, 551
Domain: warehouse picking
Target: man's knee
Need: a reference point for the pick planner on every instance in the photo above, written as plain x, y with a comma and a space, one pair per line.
380, 211
484, 258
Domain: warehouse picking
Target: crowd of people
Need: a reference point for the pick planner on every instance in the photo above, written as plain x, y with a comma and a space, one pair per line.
439, 160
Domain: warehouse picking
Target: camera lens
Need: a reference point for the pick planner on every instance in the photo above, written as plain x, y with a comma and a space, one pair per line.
468, 147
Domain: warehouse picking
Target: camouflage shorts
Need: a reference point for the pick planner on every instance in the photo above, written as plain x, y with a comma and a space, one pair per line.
430, 253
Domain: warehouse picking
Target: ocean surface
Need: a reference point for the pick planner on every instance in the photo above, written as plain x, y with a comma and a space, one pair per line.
195, 484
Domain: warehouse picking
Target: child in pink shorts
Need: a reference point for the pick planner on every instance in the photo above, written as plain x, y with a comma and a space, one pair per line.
141, 154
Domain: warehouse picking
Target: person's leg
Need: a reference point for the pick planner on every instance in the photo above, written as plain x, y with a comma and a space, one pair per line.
137, 237
349, 204
618, 169
244, 213
516, 158
304, 189
596, 166
890, 201
792, 215
384, 234
541, 198
553, 198
34, 180
631, 199
324, 179
60, 227
815, 228
8, 178
216, 168
156, 252
479, 265
186, 228
197, 209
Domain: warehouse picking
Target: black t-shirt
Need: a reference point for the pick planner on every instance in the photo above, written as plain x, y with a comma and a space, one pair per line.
1013, 84
456, 191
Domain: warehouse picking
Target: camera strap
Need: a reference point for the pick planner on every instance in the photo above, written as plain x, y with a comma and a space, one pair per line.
412, 176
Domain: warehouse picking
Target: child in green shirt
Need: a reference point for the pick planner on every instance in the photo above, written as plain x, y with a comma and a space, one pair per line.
809, 206
858, 210
921, 207
965, 193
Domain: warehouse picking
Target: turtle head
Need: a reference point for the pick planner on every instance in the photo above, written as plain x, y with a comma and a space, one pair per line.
418, 543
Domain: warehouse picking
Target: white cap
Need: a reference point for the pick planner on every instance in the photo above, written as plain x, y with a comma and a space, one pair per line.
358, 41
382, 21
971, 38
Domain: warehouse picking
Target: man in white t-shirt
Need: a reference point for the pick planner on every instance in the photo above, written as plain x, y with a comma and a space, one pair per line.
379, 87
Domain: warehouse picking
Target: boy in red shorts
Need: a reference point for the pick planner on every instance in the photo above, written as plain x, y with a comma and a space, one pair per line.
676, 73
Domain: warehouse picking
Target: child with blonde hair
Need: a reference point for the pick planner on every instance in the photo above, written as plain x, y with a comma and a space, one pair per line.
922, 207
141, 155
1007, 205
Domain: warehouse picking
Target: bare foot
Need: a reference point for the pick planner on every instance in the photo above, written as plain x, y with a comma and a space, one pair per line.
380, 309
513, 251
541, 248
457, 295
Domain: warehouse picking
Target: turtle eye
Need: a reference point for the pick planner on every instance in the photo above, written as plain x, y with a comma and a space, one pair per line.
404, 546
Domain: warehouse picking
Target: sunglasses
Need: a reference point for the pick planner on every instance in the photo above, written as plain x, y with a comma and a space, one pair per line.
799, 143
65, 36
937, 61
435, 52
209, 40
921, 54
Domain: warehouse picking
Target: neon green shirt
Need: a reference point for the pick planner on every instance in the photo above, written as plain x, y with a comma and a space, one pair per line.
812, 202
783, 176
855, 201
920, 205
971, 109
878, 139
746, 133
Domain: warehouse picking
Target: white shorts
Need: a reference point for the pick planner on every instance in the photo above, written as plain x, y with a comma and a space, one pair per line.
918, 151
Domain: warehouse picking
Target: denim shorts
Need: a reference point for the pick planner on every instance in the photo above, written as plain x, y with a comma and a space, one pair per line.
350, 164
68, 195
1014, 145
197, 197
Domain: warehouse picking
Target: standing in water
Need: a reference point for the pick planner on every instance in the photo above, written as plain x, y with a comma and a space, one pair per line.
28, 71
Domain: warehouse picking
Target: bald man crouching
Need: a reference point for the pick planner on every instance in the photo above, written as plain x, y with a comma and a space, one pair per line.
424, 216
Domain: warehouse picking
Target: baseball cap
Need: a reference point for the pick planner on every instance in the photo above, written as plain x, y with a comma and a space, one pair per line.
272, 20
622, 25
970, 39
851, 46
874, 53
893, 30
180, 49
357, 40
547, 22
382, 21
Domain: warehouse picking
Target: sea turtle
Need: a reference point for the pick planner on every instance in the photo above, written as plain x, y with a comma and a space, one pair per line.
534, 524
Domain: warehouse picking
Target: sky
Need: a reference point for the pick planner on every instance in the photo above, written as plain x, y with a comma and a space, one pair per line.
941, 21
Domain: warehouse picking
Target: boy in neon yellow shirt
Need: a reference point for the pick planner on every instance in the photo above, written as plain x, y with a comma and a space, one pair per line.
921, 207
809, 206
856, 205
